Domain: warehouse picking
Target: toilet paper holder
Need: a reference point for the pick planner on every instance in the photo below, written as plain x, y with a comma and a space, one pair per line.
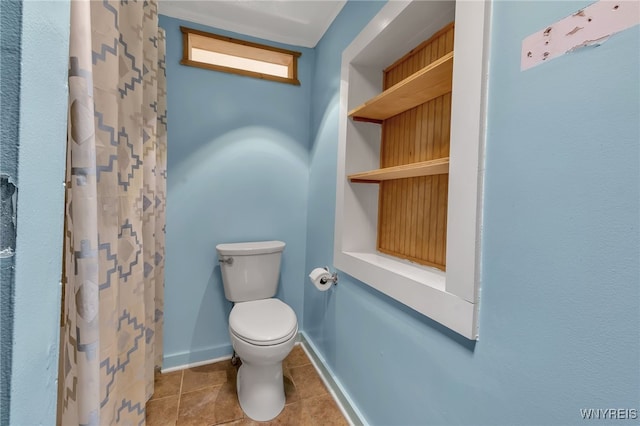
333, 278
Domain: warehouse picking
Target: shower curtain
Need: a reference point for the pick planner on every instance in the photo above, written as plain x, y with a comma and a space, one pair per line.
113, 276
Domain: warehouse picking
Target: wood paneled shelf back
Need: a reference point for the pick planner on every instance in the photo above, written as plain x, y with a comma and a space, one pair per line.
430, 82
414, 110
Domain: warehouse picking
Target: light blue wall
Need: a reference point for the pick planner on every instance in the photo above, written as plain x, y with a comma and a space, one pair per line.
10, 35
43, 126
560, 285
560, 293
321, 316
237, 171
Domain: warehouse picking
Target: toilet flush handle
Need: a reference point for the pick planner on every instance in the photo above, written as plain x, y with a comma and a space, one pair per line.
228, 260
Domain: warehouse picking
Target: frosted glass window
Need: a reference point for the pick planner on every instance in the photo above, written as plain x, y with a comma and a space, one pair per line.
226, 54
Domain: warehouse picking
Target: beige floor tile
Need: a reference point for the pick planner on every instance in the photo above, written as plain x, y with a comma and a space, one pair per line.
321, 411
167, 384
290, 391
291, 415
197, 408
241, 422
307, 382
208, 375
209, 397
209, 406
162, 412
227, 403
296, 358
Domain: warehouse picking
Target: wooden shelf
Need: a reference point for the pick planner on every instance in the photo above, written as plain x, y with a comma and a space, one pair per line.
430, 82
423, 168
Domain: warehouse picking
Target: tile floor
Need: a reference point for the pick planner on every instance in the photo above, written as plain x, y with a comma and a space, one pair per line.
203, 396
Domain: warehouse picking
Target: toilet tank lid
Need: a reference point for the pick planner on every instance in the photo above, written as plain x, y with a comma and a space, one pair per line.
250, 248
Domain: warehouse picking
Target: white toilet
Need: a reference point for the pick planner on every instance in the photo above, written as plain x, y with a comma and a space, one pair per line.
262, 329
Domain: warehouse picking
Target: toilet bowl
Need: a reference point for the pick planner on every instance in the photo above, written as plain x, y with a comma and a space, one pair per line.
262, 328
263, 333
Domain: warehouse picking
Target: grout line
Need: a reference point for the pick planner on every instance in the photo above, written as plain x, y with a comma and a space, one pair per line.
179, 396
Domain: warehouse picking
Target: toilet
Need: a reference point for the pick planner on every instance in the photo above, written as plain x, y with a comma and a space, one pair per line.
262, 328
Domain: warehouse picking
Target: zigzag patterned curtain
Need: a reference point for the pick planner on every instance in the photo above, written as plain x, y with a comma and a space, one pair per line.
115, 212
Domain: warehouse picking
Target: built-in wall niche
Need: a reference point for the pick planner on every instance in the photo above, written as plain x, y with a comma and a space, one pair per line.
414, 111
448, 294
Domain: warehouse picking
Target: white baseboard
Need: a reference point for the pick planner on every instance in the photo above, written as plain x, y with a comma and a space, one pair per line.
195, 357
194, 364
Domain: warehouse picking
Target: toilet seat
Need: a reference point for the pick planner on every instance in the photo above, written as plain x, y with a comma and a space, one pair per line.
264, 322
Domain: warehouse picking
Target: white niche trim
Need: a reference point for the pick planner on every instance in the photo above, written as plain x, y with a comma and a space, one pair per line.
449, 298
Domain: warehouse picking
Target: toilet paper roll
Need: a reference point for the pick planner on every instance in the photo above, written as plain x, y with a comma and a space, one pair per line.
317, 275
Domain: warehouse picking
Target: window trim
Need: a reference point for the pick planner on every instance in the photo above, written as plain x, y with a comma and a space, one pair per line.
451, 297
186, 50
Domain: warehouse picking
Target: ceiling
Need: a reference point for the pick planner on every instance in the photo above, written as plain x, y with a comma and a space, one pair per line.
296, 22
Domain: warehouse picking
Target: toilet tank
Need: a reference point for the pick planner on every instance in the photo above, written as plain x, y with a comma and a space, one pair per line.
250, 271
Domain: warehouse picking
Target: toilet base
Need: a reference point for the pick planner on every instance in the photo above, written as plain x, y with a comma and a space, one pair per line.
261, 390
260, 383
